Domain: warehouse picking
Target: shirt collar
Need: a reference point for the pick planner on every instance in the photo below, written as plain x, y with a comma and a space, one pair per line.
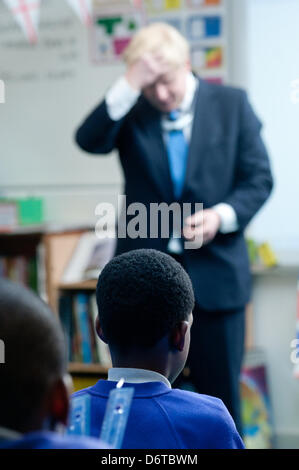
132, 375
191, 87
186, 108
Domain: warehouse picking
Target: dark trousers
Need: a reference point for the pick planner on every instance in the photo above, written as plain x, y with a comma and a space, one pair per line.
215, 356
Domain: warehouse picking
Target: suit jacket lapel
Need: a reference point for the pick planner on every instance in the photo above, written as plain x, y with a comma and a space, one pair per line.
156, 156
202, 129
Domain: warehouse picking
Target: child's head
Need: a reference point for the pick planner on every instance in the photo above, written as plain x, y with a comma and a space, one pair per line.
145, 301
33, 391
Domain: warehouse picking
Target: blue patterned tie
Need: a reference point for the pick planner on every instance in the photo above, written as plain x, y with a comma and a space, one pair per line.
177, 149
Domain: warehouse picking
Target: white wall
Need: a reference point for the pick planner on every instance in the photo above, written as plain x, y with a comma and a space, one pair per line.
50, 87
274, 307
272, 47
265, 60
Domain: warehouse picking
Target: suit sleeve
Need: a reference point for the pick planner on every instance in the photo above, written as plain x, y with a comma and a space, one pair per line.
253, 178
99, 133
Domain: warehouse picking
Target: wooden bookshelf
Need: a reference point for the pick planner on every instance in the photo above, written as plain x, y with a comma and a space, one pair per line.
79, 368
91, 284
56, 244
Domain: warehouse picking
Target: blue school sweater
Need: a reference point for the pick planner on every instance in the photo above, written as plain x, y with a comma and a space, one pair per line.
50, 440
165, 418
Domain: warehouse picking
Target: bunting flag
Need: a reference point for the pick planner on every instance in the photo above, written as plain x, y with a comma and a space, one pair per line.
26, 12
83, 8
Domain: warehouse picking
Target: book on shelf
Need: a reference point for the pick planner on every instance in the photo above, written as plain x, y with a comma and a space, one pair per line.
77, 312
81, 307
76, 355
255, 401
65, 309
90, 256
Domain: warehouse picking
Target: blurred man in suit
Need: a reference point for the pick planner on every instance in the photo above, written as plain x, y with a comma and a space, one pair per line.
183, 140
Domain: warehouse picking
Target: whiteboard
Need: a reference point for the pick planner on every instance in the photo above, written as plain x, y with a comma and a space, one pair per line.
50, 87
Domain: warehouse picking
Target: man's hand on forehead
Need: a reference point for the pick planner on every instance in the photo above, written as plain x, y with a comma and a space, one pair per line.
147, 70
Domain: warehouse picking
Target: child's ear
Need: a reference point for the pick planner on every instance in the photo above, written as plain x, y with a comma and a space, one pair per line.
60, 399
178, 335
99, 330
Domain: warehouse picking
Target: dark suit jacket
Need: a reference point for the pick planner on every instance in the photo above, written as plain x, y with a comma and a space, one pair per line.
227, 162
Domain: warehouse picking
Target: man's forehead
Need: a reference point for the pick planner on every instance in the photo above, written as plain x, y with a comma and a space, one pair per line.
170, 74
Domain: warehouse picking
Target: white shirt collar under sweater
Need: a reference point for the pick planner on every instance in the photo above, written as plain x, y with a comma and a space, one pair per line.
132, 375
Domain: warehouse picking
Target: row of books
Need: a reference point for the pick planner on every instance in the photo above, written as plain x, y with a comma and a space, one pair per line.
78, 312
21, 269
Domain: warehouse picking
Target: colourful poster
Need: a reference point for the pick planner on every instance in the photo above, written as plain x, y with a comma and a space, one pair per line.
173, 4
206, 57
116, 21
200, 27
174, 21
162, 6
256, 409
202, 3
113, 31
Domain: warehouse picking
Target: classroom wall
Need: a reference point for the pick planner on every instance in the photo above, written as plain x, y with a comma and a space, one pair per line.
274, 307
49, 88
265, 44
273, 63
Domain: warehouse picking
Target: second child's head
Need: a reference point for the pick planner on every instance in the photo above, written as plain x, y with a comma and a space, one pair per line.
145, 301
35, 386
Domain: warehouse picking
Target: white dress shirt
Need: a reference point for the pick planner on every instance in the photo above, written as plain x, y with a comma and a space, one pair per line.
120, 99
136, 376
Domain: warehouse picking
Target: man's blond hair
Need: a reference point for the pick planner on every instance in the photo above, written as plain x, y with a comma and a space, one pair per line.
158, 38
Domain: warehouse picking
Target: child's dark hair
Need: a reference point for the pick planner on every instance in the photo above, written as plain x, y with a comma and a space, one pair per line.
141, 296
35, 355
